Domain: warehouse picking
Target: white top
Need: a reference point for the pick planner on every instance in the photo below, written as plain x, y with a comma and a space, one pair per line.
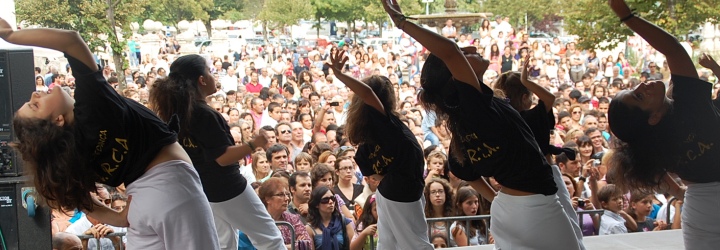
612, 223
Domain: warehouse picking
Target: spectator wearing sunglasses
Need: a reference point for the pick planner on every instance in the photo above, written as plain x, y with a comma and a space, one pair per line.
283, 130
327, 227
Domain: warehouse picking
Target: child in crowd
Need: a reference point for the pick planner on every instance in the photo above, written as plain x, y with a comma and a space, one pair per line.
614, 220
641, 204
436, 161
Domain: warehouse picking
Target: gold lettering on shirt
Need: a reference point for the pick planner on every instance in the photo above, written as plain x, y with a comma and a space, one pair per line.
381, 161
701, 147
117, 155
102, 137
187, 142
479, 153
109, 169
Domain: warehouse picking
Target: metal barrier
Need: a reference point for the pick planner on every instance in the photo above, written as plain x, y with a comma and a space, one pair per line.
123, 234
580, 214
292, 232
467, 219
99, 245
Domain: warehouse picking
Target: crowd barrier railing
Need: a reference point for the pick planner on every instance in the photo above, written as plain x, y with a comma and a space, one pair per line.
120, 246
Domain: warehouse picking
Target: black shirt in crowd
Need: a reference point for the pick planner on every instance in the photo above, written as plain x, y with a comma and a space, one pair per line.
394, 153
349, 201
696, 121
496, 142
122, 136
209, 137
506, 64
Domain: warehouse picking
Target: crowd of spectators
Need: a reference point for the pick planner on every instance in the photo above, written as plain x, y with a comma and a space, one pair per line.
306, 175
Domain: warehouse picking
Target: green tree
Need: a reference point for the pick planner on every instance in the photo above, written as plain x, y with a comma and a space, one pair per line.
173, 11
283, 13
598, 27
89, 18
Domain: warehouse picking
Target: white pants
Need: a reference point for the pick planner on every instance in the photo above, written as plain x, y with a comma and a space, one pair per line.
530, 222
566, 202
401, 225
169, 210
701, 217
246, 213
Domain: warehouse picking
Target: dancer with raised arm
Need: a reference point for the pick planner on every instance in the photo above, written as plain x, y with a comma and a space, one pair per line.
70, 144
206, 137
491, 139
389, 153
660, 135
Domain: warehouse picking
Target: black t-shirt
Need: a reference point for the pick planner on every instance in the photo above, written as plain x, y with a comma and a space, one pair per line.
506, 64
697, 121
349, 201
540, 121
122, 135
395, 154
496, 142
226, 65
208, 139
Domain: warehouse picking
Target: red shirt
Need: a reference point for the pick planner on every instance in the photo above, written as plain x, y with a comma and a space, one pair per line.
253, 88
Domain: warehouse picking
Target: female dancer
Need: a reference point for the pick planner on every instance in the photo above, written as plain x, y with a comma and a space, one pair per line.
69, 144
489, 133
389, 153
661, 135
205, 135
519, 90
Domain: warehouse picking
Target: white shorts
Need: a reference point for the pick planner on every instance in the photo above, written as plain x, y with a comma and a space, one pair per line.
246, 213
566, 202
530, 222
402, 225
701, 217
169, 210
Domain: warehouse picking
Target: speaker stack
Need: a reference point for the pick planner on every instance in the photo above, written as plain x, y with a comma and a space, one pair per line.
22, 224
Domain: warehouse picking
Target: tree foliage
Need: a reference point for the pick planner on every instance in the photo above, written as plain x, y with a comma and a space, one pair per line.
598, 27
285, 12
89, 18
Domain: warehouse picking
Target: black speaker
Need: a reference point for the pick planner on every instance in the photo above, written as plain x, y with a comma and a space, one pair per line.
17, 83
18, 229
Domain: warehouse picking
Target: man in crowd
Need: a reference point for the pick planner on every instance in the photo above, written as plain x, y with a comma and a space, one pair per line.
300, 188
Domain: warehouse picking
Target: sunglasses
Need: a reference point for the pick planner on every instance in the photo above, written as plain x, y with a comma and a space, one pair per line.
576, 112
326, 200
285, 131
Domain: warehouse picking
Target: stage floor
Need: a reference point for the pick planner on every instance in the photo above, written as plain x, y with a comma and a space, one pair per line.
663, 240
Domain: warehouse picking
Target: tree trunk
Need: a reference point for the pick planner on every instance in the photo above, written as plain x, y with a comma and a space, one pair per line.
208, 27
118, 60
317, 27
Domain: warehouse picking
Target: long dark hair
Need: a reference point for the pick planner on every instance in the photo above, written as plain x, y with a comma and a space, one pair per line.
511, 86
358, 115
366, 218
60, 171
314, 218
177, 93
439, 94
642, 152
462, 195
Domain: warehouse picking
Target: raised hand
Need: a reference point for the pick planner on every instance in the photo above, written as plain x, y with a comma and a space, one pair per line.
338, 60
525, 72
393, 9
620, 8
708, 62
259, 140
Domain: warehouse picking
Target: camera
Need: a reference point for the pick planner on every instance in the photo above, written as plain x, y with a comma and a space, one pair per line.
334, 104
581, 203
596, 163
